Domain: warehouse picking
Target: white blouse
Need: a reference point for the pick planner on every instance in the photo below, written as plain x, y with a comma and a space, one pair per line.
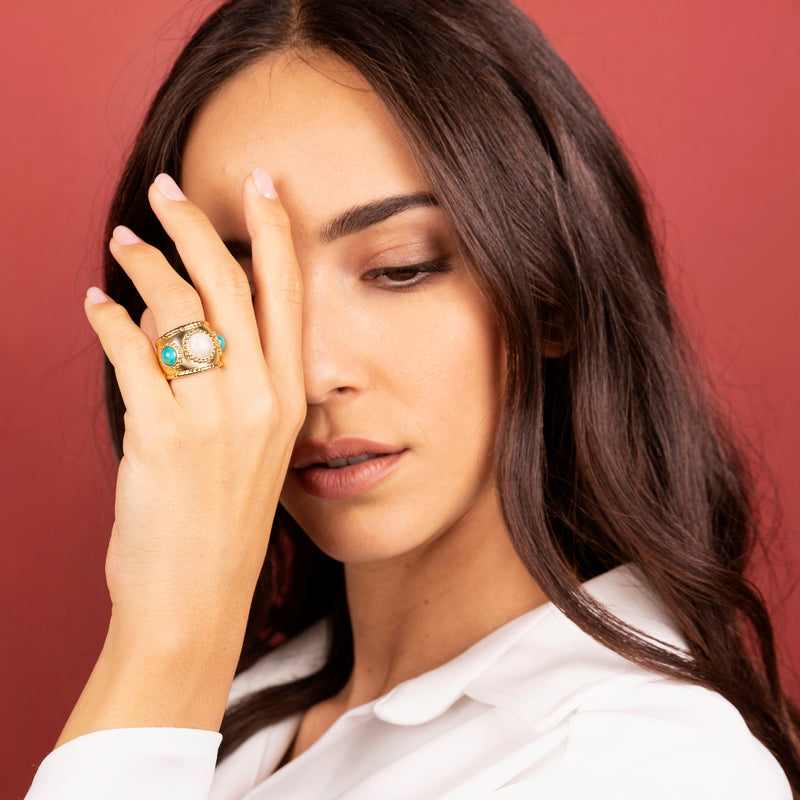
536, 710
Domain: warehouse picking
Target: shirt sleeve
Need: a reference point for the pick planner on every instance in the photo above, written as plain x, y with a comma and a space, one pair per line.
130, 764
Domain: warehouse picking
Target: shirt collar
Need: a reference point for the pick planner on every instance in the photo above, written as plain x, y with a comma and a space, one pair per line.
429, 695
539, 665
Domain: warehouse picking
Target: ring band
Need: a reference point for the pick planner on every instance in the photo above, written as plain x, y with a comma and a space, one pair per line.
188, 349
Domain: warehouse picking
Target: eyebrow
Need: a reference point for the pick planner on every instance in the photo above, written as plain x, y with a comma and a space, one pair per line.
353, 220
357, 219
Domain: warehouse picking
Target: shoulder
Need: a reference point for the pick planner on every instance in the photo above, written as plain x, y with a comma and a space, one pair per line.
615, 729
684, 737
663, 739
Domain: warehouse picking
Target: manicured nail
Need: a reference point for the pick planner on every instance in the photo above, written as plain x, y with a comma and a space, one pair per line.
96, 295
124, 235
263, 183
168, 187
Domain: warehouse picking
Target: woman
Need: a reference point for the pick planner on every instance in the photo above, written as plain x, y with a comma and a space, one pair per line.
529, 581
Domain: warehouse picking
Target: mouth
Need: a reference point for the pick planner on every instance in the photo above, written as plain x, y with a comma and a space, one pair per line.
348, 476
338, 463
339, 453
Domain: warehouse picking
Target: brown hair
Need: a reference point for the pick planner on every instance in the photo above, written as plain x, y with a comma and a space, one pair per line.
611, 453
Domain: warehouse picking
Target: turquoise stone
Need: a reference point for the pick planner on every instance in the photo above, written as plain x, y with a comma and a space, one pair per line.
169, 355
221, 341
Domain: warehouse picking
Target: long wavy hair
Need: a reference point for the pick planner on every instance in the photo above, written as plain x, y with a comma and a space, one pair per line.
611, 453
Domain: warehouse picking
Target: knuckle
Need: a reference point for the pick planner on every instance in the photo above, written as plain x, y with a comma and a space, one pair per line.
267, 407
296, 414
193, 217
232, 282
290, 410
276, 222
262, 414
179, 298
290, 286
140, 259
149, 257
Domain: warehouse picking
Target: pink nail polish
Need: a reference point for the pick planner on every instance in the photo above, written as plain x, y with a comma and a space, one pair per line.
264, 183
96, 295
167, 186
125, 235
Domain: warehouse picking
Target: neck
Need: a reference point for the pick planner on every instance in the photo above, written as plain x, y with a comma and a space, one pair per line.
414, 613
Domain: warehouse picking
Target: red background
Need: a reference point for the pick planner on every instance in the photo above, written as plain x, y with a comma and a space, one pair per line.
704, 94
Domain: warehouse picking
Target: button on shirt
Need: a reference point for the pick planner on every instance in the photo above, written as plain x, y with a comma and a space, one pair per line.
537, 709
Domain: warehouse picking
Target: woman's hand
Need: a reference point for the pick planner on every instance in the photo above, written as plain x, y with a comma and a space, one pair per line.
205, 457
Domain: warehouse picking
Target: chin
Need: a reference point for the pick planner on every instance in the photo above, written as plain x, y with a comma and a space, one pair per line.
362, 549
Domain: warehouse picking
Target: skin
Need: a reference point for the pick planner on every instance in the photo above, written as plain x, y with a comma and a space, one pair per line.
323, 350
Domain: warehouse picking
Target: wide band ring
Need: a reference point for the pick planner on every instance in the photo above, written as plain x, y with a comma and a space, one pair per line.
189, 349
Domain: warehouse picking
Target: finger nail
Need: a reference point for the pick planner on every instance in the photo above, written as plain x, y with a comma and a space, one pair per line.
168, 187
96, 295
264, 183
124, 235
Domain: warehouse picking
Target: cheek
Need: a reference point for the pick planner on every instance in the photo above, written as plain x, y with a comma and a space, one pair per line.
450, 368
433, 370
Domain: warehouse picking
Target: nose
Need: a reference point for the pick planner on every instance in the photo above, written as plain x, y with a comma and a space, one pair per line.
334, 366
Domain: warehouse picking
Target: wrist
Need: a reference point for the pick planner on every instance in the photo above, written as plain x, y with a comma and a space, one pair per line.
212, 629
157, 676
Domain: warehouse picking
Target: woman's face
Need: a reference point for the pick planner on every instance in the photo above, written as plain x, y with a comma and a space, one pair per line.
412, 361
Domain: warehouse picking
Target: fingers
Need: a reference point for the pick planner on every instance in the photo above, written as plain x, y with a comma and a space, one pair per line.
171, 299
219, 280
148, 324
140, 379
277, 277
270, 328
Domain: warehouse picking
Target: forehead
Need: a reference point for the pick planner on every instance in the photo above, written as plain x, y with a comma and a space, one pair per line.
313, 123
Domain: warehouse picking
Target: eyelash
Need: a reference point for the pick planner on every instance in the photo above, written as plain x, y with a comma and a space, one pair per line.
427, 270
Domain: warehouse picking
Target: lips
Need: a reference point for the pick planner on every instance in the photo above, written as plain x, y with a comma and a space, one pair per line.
349, 462
344, 479
317, 453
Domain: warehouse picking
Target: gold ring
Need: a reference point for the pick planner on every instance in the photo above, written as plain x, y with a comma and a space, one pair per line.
188, 349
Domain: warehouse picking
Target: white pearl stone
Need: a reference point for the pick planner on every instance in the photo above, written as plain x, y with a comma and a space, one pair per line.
200, 345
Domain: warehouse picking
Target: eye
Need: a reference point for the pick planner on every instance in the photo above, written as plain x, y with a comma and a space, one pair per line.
399, 279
